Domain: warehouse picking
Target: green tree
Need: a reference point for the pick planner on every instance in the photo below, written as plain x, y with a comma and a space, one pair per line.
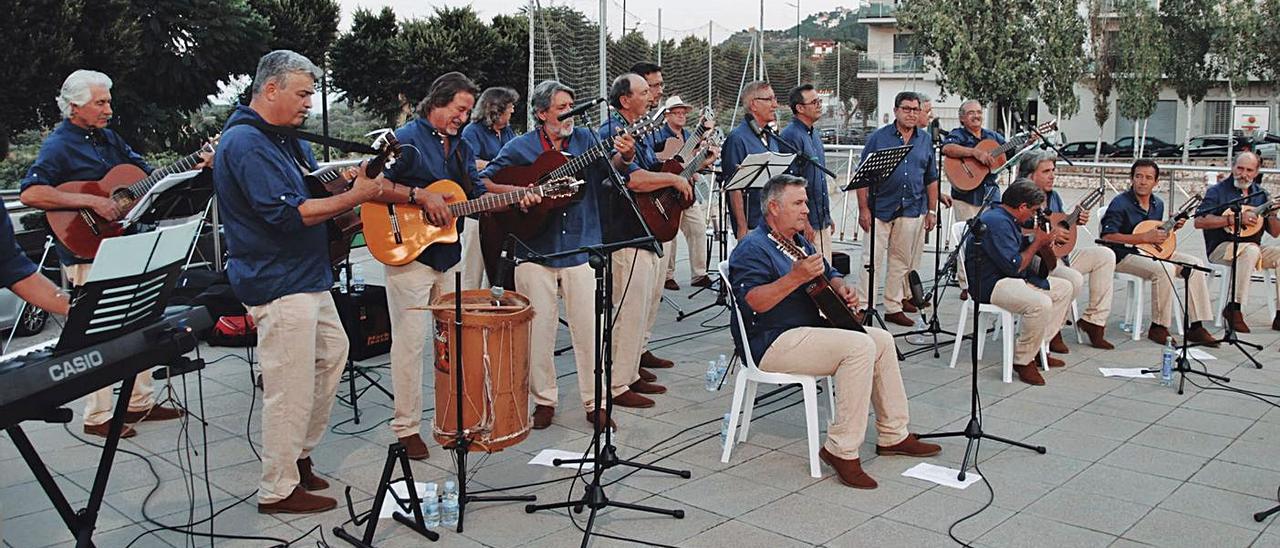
364, 64
1102, 66
305, 26
37, 57
632, 48
1139, 64
1187, 23
1236, 46
509, 65
1059, 55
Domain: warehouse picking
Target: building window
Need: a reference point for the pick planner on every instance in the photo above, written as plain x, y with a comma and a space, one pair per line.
902, 43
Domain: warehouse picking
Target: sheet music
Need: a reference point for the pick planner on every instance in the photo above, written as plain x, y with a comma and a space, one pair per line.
138, 253
749, 173
144, 203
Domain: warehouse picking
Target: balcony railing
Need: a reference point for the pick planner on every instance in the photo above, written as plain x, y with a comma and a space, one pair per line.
890, 63
880, 10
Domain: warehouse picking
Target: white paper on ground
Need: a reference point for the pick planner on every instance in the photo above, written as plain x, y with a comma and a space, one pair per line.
1198, 354
941, 475
545, 457
1130, 372
401, 489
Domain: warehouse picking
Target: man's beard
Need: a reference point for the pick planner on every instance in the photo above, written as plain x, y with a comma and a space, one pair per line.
1241, 183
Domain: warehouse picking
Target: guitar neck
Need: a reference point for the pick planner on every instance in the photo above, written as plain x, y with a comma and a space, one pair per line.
1013, 143
692, 166
140, 188
490, 201
579, 162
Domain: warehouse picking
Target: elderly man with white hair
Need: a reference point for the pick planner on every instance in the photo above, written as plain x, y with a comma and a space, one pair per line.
81, 148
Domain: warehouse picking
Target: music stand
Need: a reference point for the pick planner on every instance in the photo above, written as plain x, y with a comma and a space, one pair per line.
878, 166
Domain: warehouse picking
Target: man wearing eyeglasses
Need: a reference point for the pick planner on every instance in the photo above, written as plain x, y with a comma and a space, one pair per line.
962, 142
750, 137
904, 203
806, 107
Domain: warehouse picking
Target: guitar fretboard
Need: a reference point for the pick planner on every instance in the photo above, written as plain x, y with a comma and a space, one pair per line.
140, 188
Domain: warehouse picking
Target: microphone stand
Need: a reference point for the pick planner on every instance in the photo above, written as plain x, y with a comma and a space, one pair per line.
943, 275
1230, 337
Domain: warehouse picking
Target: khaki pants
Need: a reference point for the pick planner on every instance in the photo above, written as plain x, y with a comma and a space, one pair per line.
1042, 312
411, 285
541, 285
636, 296
1075, 282
693, 224
865, 369
472, 265
99, 405
962, 211
1161, 275
302, 350
897, 240
1251, 256
1097, 265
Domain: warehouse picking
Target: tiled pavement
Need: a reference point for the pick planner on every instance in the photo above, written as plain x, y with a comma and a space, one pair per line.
1129, 462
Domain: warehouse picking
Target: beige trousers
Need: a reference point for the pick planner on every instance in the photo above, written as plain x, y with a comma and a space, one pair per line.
897, 240
472, 265
1097, 265
693, 224
1251, 256
411, 285
865, 369
962, 211
541, 285
302, 349
1041, 311
637, 293
99, 405
1161, 275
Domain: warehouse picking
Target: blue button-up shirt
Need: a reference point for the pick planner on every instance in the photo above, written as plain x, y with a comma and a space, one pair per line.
1124, 213
72, 153
740, 143
619, 220
809, 143
903, 193
961, 136
578, 224
486, 142
259, 184
999, 256
757, 261
1053, 202
1221, 193
14, 264
422, 162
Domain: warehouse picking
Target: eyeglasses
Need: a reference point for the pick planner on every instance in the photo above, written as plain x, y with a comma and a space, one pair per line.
814, 103
769, 99
909, 109
968, 112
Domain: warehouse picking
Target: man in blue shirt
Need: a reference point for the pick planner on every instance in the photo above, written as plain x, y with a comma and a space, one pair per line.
752, 136
489, 130
905, 204
1095, 262
83, 149
962, 142
1215, 219
1000, 273
787, 335
278, 265
693, 221
806, 108
19, 275
1123, 214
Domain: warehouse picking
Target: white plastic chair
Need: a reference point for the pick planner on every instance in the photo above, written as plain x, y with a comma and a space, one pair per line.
1004, 320
748, 379
1134, 289
1221, 274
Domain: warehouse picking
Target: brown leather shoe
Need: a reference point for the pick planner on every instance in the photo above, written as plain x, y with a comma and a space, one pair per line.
1052, 361
1096, 334
1057, 345
1275, 323
1199, 335
701, 281
899, 318
596, 419
647, 376
671, 285
964, 294
156, 413
633, 400
908, 307
849, 471
100, 430
910, 447
653, 362
414, 447
1158, 334
298, 502
308, 479
1029, 373
542, 416
642, 387
1233, 315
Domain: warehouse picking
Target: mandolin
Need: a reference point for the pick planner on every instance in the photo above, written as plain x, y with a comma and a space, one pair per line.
1071, 222
1165, 249
832, 306
1252, 229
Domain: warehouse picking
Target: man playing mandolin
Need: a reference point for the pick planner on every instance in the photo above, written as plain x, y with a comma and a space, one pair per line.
1218, 223
1123, 214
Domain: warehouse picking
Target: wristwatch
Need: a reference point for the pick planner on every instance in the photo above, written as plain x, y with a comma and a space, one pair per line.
413, 199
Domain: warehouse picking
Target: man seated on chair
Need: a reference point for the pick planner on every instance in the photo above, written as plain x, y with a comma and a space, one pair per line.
789, 336
1124, 213
1095, 262
1215, 220
1000, 266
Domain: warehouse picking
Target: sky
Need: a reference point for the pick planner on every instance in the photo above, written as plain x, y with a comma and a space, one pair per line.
679, 17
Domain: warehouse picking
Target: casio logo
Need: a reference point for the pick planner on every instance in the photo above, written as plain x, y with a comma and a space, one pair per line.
74, 366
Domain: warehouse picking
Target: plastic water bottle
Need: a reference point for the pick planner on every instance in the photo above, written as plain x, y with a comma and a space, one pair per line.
712, 376
1166, 363
431, 506
449, 505
724, 429
918, 338
357, 278
722, 369
342, 280
1126, 326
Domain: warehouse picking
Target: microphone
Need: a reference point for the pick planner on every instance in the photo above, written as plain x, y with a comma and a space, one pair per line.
579, 109
918, 298
1117, 245
496, 292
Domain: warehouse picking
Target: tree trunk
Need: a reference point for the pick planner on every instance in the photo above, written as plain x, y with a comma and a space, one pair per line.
1136, 148
1097, 150
1186, 135
1231, 135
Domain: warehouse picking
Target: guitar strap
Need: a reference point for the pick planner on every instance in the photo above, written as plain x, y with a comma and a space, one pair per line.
343, 145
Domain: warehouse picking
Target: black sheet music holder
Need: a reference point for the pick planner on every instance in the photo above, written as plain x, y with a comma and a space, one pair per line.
878, 166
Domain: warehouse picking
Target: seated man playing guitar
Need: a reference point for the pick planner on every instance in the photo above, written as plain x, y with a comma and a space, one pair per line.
1123, 215
1001, 272
789, 336
1218, 224
1095, 262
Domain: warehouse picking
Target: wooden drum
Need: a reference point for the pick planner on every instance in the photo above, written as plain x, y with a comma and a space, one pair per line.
495, 364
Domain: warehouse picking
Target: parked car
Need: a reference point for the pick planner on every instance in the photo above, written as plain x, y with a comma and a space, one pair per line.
1214, 145
1085, 149
828, 135
1123, 148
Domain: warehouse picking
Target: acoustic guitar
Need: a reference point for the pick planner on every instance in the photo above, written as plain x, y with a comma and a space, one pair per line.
832, 306
1251, 230
967, 173
661, 209
1165, 249
1044, 260
398, 233
82, 230
1071, 222
330, 180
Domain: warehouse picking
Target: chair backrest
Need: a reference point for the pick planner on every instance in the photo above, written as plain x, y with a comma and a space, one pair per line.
739, 331
957, 230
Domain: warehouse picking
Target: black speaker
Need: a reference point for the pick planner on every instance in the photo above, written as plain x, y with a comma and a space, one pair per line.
366, 321
840, 262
